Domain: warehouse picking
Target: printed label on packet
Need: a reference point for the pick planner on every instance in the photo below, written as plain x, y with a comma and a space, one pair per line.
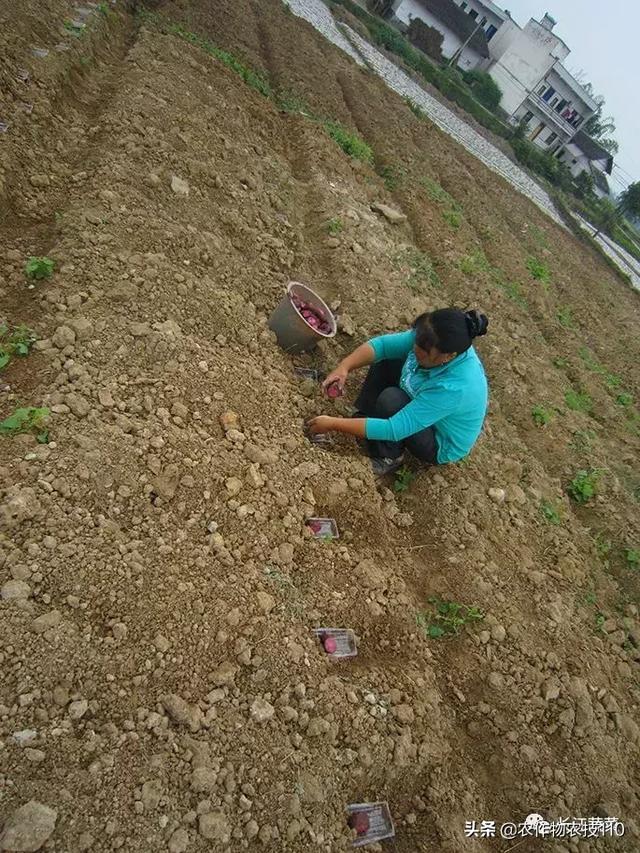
338, 643
371, 822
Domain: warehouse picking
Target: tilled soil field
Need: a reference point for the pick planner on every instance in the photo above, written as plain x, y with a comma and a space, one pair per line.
161, 684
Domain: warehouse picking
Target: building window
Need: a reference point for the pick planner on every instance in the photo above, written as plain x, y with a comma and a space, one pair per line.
491, 31
463, 5
526, 118
542, 89
473, 14
551, 138
554, 101
483, 22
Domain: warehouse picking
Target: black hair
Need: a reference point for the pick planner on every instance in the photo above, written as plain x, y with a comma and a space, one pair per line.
449, 329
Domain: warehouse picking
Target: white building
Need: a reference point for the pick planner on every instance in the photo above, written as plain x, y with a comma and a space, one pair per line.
537, 89
583, 154
459, 29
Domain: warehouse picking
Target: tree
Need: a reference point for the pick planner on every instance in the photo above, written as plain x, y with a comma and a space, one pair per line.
584, 185
600, 128
629, 204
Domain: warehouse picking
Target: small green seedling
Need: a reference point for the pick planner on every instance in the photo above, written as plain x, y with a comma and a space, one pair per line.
538, 270
565, 318
578, 401
404, 477
16, 341
632, 556
541, 416
26, 420
449, 618
600, 620
550, 512
560, 363
513, 291
334, 226
624, 399
452, 217
39, 268
583, 487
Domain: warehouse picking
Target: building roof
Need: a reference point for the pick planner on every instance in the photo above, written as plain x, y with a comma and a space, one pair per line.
503, 14
578, 88
460, 23
593, 150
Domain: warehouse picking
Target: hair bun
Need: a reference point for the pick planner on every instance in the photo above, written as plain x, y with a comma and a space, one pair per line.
477, 323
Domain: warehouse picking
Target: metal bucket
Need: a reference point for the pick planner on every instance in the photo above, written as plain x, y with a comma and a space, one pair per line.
294, 334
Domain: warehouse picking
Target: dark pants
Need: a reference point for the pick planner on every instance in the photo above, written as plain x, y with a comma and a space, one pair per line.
380, 397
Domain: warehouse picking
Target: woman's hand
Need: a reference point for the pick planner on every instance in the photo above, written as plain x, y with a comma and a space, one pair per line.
338, 375
320, 425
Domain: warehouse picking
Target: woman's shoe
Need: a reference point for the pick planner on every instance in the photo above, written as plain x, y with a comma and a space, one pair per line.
382, 467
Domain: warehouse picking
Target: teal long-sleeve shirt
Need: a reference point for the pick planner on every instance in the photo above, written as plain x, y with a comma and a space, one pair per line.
451, 398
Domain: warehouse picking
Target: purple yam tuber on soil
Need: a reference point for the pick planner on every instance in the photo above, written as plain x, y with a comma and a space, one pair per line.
334, 390
360, 822
330, 645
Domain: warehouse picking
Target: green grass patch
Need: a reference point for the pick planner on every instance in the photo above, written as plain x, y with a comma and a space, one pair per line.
512, 289
475, 263
539, 271
541, 416
578, 401
448, 618
560, 363
420, 270
632, 557
350, 143
16, 341
452, 218
624, 399
393, 176
584, 485
565, 318
26, 420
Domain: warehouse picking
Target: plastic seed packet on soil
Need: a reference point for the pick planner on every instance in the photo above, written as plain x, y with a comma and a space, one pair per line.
309, 373
371, 821
323, 528
338, 643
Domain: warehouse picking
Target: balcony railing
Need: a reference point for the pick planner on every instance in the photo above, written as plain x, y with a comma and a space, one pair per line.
550, 112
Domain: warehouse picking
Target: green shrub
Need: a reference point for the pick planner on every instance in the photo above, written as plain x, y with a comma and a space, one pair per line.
484, 88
